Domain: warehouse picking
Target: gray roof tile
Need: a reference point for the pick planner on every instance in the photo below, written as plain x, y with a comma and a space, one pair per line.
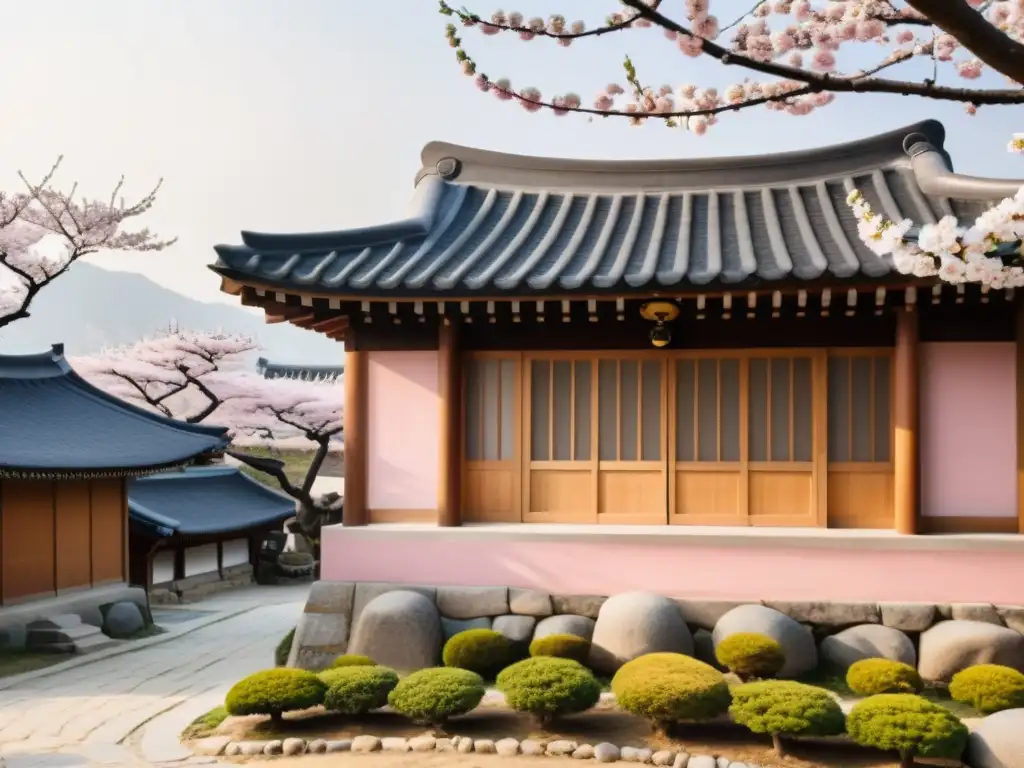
52, 420
507, 224
204, 500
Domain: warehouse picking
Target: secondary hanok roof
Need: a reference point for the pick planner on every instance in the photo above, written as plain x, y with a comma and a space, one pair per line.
53, 422
198, 501
486, 224
271, 370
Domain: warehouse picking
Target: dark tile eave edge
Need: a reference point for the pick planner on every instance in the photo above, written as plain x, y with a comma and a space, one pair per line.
652, 289
18, 471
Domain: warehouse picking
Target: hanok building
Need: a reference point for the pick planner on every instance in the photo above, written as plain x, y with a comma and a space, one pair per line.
67, 450
197, 528
675, 349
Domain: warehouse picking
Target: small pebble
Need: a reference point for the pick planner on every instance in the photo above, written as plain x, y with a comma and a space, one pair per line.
663, 757
737, 765
606, 753
531, 748
233, 749
250, 748
317, 747
507, 747
293, 747
394, 744
422, 743
583, 752
366, 744
465, 746
455, 741
702, 761
444, 745
339, 745
724, 762
561, 747
484, 746
274, 747
681, 760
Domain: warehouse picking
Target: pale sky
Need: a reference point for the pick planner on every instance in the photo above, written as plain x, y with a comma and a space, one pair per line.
297, 115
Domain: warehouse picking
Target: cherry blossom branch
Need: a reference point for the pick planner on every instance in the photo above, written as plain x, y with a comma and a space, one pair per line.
755, 48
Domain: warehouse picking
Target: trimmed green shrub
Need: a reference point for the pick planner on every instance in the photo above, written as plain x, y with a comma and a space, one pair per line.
562, 647
274, 692
483, 651
750, 655
431, 696
353, 660
908, 724
668, 688
988, 688
870, 677
284, 648
356, 690
786, 708
548, 687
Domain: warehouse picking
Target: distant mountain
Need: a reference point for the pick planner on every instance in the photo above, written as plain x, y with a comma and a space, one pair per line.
90, 308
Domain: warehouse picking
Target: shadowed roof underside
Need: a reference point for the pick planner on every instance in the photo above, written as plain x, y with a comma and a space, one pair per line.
204, 500
488, 224
52, 422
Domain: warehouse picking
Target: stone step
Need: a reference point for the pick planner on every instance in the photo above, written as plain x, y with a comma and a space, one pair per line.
83, 638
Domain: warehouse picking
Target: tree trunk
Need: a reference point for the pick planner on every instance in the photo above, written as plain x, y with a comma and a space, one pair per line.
276, 718
778, 746
907, 761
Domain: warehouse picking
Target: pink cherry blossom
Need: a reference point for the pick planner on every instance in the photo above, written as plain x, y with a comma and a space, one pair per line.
43, 215
799, 40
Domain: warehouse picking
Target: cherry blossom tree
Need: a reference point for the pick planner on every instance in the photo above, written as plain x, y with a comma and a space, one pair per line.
201, 377
43, 216
787, 52
990, 251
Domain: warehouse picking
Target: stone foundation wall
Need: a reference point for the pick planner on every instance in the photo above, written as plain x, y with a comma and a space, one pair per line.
405, 626
201, 585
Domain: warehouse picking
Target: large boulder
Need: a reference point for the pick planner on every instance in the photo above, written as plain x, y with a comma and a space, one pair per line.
635, 623
997, 741
565, 624
401, 630
868, 641
123, 620
796, 640
950, 646
518, 629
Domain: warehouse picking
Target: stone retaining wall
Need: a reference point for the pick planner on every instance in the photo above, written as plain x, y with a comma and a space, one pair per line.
405, 626
197, 587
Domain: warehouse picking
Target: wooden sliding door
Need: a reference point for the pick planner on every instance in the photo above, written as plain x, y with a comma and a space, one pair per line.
492, 440
747, 439
860, 438
596, 447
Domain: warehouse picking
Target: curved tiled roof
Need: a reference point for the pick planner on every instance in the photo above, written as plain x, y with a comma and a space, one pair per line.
486, 223
52, 421
204, 500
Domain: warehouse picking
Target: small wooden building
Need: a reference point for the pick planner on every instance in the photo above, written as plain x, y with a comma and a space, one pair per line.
271, 370
595, 349
199, 525
66, 451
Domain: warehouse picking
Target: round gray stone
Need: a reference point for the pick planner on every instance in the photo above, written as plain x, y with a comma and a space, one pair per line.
422, 743
401, 630
518, 629
997, 741
633, 624
951, 646
293, 747
123, 620
484, 746
606, 753
365, 744
583, 752
531, 748
663, 757
868, 641
565, 624
561, 747
507, 747
796, 640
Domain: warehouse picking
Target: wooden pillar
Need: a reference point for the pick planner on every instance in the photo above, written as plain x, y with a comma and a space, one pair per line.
1020, 417
449, 464
905, 397
356, 418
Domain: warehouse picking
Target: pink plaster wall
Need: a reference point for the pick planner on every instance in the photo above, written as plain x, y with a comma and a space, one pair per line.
968, 430
403, 430
677, 569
